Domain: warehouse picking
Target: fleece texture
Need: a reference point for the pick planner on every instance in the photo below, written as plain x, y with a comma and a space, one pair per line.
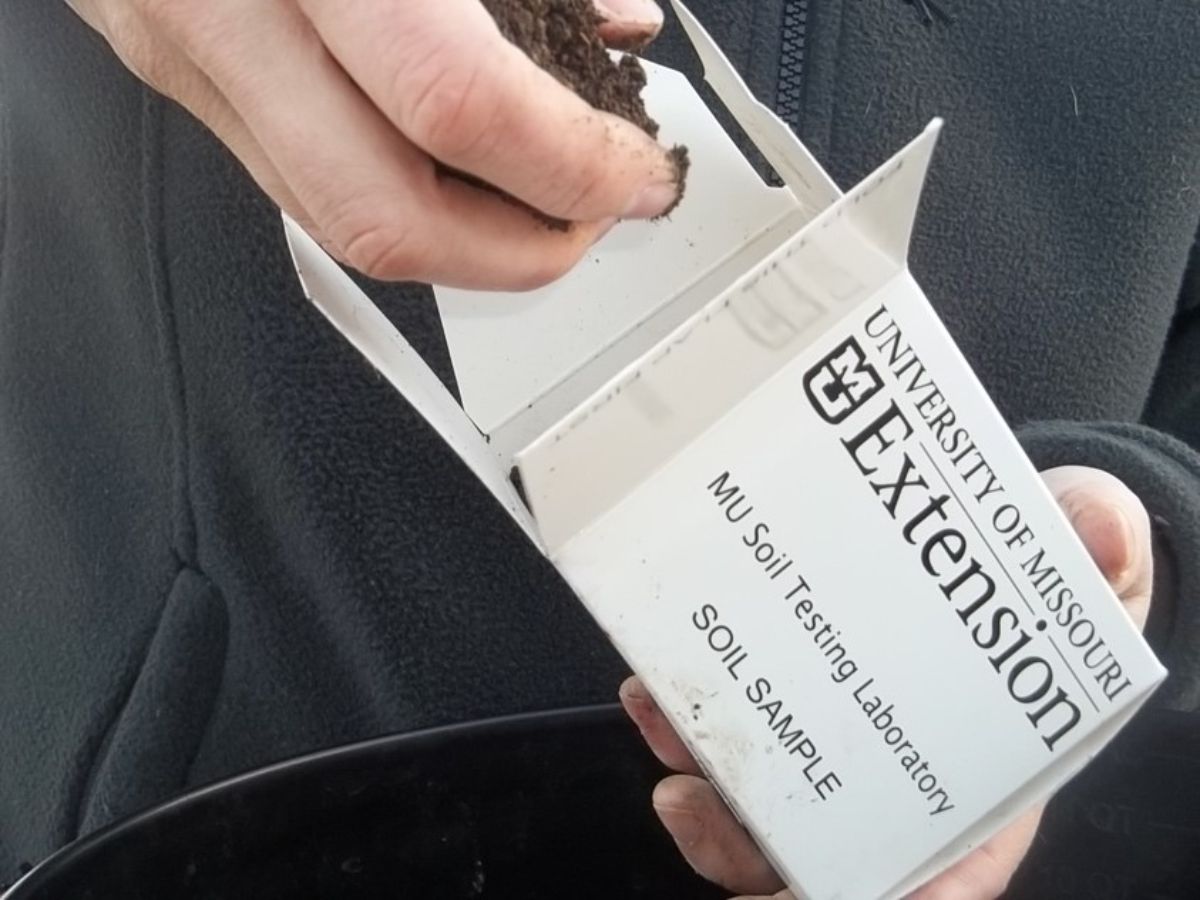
224, 540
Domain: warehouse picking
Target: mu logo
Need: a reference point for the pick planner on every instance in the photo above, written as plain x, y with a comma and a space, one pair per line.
842, 382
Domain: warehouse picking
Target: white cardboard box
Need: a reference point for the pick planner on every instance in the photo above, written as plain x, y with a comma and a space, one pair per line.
756, 455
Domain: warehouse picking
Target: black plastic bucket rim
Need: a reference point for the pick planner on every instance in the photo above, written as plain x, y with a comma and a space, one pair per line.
87, 848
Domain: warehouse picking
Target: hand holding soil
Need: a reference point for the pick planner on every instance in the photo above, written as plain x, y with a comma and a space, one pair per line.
399, 132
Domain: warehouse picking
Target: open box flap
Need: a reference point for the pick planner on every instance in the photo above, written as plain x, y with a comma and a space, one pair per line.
511, 349
341, 301
641, 418
809, 183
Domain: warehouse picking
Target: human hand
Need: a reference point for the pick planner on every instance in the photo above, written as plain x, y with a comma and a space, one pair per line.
1114, 527
342, 112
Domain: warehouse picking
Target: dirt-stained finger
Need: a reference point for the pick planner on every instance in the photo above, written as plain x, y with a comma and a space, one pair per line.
656, 729
710, 838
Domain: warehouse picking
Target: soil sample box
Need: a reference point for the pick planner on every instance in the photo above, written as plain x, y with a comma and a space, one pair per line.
749, 445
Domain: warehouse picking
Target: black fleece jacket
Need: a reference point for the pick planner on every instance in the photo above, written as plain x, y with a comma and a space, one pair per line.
223, 540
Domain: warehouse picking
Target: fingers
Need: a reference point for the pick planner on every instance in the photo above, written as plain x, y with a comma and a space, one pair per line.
710, 838
986, 871
655, 729
86, 10
261, 78
461, 93
629, 24
377, 199
1115, 528
205, 102
706, 831
153, 59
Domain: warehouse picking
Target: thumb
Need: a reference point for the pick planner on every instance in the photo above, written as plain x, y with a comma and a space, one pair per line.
1114, 527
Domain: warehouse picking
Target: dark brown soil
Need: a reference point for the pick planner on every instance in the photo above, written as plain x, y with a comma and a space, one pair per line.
562, 37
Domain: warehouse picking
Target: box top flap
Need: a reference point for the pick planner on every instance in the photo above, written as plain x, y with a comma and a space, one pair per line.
341, 301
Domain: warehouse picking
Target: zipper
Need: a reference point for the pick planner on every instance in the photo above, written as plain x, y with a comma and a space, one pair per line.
793, 54
789, 92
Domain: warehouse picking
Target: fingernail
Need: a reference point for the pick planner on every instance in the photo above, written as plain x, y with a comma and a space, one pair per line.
640, 12
635, 699
653, 201
685, 826
1109, 535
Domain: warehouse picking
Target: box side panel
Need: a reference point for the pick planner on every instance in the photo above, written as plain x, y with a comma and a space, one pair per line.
687, 382
827, 593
